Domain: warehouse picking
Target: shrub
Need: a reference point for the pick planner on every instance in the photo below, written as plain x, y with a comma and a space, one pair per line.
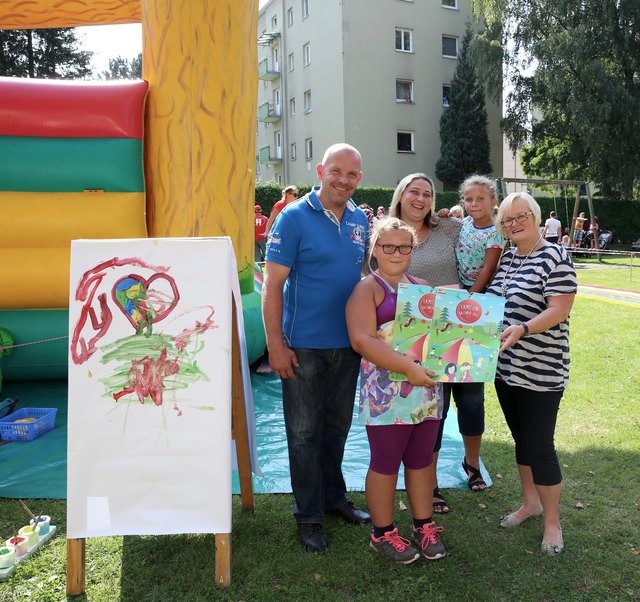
622, 217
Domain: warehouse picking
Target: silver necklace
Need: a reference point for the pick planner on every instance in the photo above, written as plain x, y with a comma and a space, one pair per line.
505, 282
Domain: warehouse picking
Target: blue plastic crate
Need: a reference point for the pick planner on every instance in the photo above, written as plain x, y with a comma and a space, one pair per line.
10, 430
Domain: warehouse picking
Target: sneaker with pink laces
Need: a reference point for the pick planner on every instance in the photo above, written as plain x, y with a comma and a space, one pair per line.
428, 539
395, 548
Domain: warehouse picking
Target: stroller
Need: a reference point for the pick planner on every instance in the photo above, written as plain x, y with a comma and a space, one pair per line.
605, 238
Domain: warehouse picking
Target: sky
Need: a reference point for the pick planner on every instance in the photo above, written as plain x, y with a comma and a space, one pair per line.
110, 41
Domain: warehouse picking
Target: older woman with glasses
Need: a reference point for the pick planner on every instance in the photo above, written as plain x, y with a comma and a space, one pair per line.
289, 195
538, 281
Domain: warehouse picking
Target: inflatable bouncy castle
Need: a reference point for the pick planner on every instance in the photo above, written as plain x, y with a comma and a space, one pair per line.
73, 169
172, 155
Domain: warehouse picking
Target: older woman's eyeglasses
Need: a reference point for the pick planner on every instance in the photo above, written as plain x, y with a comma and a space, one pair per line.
518, 219
293, 192
391, 249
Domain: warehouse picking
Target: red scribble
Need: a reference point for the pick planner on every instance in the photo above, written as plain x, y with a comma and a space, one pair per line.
146, 377
177, 409
81, 350
182, 339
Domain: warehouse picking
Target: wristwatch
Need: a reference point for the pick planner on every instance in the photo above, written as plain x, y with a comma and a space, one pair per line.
526, 328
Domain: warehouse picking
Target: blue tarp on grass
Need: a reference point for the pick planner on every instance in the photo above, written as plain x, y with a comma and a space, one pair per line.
38, 469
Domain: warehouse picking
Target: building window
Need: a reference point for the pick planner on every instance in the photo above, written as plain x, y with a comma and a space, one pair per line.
294, 151
257, 164
404, 40
276, 101
404, 90
292, 107
277, 139
405, 142
291, 62
305, 9
307, 101
450, 3
274, 22
446, 95
450, 47
308, 149
306, 54
290, 17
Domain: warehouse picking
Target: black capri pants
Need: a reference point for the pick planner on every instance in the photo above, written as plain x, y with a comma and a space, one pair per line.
469, 398
531, 417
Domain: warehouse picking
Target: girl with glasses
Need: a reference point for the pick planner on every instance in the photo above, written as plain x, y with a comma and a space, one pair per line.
401, 422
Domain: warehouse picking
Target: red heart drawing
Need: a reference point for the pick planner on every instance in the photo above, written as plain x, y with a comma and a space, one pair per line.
143, 304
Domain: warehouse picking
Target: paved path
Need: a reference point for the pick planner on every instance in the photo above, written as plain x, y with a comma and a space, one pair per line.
611, 295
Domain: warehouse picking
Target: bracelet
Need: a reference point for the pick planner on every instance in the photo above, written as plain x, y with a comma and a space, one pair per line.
526, 328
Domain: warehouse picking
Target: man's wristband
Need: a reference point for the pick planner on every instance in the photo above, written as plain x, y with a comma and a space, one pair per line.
526, 328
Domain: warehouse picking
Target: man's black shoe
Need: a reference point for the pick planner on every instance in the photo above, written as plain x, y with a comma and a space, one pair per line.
312, 536
351, 514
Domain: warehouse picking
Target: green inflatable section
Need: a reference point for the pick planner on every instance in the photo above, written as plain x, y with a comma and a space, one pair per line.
47, 359
70, 164
40, 361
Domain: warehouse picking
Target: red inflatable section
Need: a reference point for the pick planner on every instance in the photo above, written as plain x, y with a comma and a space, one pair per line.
72, 109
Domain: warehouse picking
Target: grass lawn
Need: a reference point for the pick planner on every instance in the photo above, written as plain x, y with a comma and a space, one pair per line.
598, 439
625, 276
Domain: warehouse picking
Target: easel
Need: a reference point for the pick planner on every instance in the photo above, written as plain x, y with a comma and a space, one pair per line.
76, 548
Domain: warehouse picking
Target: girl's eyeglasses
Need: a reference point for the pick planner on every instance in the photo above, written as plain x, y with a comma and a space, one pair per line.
518, 219
391, 249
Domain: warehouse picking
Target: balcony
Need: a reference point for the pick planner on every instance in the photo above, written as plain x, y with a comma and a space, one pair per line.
265, 73
268, 113
266, 158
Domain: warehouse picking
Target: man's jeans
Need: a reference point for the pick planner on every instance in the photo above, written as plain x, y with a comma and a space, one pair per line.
318, 409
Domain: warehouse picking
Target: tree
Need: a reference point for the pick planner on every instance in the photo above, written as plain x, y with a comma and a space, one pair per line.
121, 68
574, 66
45, 53
406, 312
464, 139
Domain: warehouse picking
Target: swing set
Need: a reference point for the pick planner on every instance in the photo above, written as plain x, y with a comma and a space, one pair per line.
579, 186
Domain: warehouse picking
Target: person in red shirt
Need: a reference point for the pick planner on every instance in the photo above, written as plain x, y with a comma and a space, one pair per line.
260, 232
289, 195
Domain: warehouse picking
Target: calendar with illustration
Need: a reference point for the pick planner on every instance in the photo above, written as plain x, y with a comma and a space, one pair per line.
414, 310
464, 336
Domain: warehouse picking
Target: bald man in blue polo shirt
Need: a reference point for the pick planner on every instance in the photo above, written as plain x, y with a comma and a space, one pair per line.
315, 255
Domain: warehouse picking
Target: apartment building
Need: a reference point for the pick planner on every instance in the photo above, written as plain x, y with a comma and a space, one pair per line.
373, 73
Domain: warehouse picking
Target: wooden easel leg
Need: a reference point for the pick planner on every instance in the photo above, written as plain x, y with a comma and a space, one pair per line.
76, 551
223, 559
239, 430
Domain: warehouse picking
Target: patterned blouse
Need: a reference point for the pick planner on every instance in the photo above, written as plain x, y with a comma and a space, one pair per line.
434, 259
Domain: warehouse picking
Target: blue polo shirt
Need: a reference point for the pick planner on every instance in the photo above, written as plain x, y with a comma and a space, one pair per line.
325, 258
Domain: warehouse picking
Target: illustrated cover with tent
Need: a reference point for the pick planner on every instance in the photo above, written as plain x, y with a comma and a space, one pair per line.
414, 310
464, 336
450, 331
